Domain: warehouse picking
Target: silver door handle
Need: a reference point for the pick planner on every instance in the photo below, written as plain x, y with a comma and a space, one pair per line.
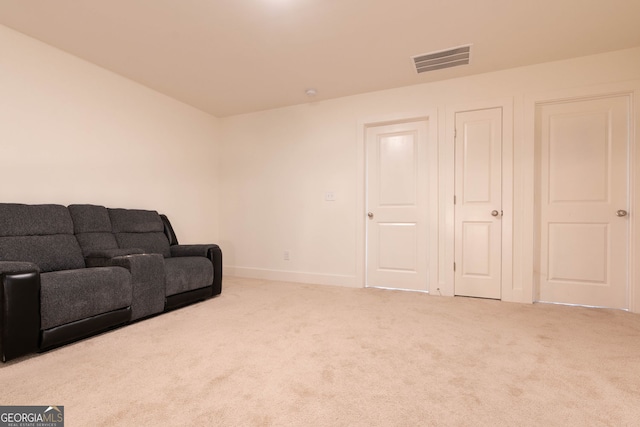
495, 213
621, 212
370, 215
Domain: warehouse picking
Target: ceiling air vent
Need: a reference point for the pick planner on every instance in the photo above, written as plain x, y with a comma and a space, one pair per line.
442, 59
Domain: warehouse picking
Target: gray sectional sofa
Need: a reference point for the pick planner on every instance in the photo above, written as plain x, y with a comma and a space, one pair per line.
67, 273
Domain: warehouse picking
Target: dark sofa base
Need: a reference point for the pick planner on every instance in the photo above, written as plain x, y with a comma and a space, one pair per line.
189, 297
65, 334
74, 331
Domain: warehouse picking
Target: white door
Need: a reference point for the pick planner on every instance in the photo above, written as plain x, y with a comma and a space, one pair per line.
478, 203
397, 191
582, 199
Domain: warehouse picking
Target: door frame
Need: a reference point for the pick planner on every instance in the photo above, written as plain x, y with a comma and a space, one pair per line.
431, 117
448, 191
526, 184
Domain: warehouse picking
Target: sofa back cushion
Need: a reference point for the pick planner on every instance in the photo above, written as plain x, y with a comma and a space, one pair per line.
92, 227
41, 234
136, 228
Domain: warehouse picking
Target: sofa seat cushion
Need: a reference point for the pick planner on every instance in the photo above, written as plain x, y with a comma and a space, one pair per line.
71, 295
187, 273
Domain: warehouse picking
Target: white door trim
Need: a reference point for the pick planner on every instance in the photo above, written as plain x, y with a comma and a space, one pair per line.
525, 184
447, 177
433, 236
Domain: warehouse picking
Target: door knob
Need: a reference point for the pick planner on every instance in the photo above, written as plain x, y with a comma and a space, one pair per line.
621, 212
495, 213
370, 215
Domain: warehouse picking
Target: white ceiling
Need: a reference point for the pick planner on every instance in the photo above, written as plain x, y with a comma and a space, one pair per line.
235, 56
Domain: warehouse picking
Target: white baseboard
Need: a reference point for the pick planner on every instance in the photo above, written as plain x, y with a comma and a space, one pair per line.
292, 276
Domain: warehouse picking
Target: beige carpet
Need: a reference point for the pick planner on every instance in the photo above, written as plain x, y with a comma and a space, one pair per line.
283, 354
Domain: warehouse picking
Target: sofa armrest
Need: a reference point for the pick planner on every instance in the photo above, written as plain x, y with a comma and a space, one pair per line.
212, 252
147, 279
102, 257
19, 309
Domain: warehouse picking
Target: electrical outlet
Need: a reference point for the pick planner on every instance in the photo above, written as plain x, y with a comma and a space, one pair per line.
287, 255
329, 196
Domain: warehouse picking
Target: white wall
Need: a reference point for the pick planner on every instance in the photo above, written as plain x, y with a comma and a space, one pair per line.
72, 132
278, 164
